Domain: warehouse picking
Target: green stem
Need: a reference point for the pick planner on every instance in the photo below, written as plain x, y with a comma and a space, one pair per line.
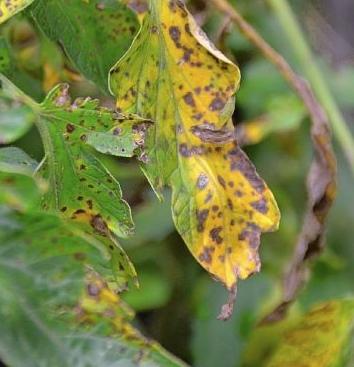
305, 57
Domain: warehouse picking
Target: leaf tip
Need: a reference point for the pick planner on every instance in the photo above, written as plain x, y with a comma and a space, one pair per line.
228, 308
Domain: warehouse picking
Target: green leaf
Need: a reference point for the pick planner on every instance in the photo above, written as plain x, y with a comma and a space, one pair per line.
15, 117
42, 280
15, 160
19, 191
95, 34
18, 188
261, 82
5, 58
154, 291
173, 75
152, 220
283, 113
9, 8
86, 188
80, 188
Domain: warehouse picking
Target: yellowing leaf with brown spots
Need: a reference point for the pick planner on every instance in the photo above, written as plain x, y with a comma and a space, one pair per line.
8, 8
173, 75
322, 338
101, 305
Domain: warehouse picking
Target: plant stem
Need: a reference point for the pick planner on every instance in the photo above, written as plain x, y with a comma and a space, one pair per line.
304, 55
321, 181
301, 87
341, 130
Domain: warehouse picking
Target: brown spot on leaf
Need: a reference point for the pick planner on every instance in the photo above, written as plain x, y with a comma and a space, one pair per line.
230, 204
208, 197
184, 151
117, 131
93, 290
100, 6
215, 235
206, 255
79, 211
99, 225
70, 128
222, 181
240, 162
208, 134
251, 234
188, 98
217, 104
260, 205
175, 34
203, 181
202, 216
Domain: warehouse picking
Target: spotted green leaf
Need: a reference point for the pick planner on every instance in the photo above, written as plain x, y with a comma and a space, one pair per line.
8, 8
95, 33
5, 58
45, 317
173, 75
80, 188
99, 300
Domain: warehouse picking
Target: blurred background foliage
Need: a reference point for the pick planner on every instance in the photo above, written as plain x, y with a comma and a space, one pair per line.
177, 302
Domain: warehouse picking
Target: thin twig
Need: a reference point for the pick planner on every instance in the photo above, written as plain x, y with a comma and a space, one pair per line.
302, 52
321, 183
222, 30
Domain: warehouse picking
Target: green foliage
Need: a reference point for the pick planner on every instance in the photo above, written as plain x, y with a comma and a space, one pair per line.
42, 275
95, 34
68, 242
15, 117
18, 189
187, 87
5, 58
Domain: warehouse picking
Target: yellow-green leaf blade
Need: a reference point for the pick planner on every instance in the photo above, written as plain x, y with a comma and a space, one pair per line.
220, 205
9, 8
160, 77
323, 338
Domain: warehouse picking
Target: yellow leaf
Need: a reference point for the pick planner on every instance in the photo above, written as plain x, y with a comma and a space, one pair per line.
322, 338
99, 301
173, 75
100, 307
229, 206
8, 8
